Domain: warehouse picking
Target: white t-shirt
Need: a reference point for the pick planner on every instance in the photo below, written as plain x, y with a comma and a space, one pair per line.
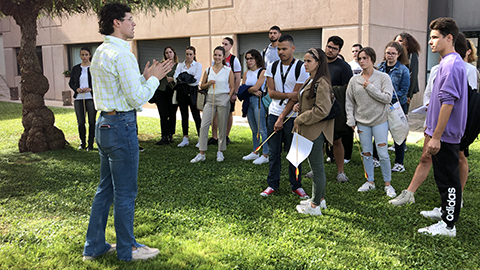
356, 69
252, 78
221, 80
84, 84
290, 81
271, 55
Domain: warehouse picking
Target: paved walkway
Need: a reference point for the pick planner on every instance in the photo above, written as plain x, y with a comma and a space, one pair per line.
150, 110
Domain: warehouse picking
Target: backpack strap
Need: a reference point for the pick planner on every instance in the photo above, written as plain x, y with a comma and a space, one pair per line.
298, 69
274, 68
260, 71
232, 62
264, 52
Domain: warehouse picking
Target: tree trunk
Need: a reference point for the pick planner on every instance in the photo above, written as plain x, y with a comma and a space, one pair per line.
39, 133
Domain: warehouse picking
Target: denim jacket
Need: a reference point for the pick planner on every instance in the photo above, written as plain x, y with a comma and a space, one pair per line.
400, 76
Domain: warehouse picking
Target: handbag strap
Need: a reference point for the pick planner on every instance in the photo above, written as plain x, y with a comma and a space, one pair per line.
395, 95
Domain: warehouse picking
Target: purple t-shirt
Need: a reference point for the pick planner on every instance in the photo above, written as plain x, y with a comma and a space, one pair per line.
450, 87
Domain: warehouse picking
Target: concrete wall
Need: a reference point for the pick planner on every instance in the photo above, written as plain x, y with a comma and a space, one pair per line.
369, 22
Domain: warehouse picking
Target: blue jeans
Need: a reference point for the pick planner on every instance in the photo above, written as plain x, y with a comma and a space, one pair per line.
117, 141
254, 115
284, 135
380, 134
316, 163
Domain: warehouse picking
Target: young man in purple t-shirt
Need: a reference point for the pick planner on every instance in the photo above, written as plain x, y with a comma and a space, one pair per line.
446, 120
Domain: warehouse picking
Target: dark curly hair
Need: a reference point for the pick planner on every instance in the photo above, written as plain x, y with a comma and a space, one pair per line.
108, 13
257, 56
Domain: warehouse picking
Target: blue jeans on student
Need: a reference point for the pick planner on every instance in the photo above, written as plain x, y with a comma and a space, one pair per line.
253, 118
380, 134
284, 135
116, 137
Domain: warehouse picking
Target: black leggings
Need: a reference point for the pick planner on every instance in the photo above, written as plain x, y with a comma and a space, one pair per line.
80, 111
167, 111
184, 101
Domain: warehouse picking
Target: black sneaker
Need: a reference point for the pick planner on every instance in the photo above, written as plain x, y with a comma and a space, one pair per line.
90, 148
228, 141
163, 141
212, 141
170, 138
141, 149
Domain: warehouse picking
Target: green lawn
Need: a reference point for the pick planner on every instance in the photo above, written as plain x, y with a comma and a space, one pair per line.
210, 215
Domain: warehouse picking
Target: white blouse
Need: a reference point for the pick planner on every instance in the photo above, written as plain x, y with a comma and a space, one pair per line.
221, 80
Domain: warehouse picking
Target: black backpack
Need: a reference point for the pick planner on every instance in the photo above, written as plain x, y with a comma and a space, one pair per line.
472, 128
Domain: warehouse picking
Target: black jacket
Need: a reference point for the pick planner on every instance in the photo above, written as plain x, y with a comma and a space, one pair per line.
74, 82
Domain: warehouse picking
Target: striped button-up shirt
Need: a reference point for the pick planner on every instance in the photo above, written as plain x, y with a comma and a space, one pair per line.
117, 80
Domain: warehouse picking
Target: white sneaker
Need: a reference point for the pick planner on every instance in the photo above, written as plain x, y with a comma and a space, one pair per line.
404, 198
262, 159
435, 214
220, 156
439, 228
113, 247
390, 191
346, 161
398, 168
309, 210
323, 203
251, 156
391, 148
342, 177
367, 186
184, 142
198, 158
376, 163
143, 253
309, 174
197, 145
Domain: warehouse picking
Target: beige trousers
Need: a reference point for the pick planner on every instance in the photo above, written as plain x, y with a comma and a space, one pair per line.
221, 106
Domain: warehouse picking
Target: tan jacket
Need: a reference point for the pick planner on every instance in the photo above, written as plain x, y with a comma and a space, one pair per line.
312, 111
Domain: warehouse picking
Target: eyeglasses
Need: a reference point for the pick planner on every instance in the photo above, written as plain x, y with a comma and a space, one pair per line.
332, 48
249, 58
391, 53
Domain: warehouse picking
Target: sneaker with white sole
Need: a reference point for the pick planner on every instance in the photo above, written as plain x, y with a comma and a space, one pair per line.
391, 148
309, 174
404, 198
367, 186
113, 247
346, 161
309, 210
267, 192
390, 191
262, 159
301, 193
398, 168
323, 203
251, 156
143, 253
439, 228
220, 156
184, 142
199, 157
435, 214
342, 177
376, 163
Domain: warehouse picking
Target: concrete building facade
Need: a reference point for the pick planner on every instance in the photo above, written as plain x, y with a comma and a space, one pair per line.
368, 22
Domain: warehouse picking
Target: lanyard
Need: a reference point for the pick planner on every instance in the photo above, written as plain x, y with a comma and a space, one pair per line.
284, 77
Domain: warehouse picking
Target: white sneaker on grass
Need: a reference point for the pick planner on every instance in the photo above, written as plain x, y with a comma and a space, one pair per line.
262, 159
435, 214
391, 148
376, 163
404, 198
143, 253
342, 177
323, 203
398, 168
439, 228
199, 157
113, 247
390, 191
251, 156
346, 161
184, 142
367, 186
220, 156
309, 210
309, 174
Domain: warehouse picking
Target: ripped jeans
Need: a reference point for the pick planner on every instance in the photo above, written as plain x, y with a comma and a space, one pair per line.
380, 134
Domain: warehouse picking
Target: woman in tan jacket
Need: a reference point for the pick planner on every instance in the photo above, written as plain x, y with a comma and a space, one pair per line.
315, 102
